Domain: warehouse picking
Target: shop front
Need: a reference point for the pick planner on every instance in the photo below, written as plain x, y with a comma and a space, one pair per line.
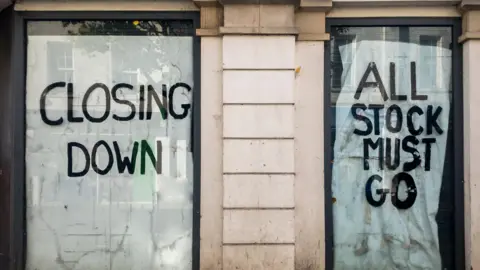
230, 134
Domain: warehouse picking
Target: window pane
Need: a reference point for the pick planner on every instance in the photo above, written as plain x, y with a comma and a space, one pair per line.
392, 181
109, 166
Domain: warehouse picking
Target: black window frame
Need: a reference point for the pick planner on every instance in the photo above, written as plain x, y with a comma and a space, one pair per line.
457, 110
17, 126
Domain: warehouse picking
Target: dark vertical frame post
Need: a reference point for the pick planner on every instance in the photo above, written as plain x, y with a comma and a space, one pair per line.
17, 94
458, 118
196, 145
18, 239
457, 103
6, 36
328, 156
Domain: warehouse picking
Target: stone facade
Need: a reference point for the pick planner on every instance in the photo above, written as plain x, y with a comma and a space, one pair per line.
262, 201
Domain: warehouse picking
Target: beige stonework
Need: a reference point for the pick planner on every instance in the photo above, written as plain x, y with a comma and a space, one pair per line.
211, 17
396, 3
311, 25
258, 19
211, 221
277, 257
470, 20
471, 53
262, 201
273, 170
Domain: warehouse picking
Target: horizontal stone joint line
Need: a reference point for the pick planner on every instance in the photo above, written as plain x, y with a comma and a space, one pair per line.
259, 69
259, 138
259, 244
258, 173
256, 103
258, 208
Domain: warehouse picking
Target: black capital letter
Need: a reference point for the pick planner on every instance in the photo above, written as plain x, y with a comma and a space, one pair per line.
411, 191
70, 117
145, 149
185, 107
413, 83
408, 166
368, 191
161, 105
363, 118
125, 102
399, 114
372, 67
432, 120
71, 173
94, 158
393, 92
378, 144
376, 117
43, 97
107, 101
396, 154
410, 125
428, 151
126, 162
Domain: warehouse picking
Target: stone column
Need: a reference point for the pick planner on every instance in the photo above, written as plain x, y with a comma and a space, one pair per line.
309, 136
211, 18
258, 135
471, 80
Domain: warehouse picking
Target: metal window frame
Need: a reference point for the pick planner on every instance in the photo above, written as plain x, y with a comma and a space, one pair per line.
457, 110
17, 95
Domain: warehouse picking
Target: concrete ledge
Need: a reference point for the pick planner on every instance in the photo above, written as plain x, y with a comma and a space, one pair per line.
206, 3
470, 25
313, 37
211, 18
315, 5
106, 6
394, 11
470, 5
212, 32
258, 31
258, 2
469, 36
390, 3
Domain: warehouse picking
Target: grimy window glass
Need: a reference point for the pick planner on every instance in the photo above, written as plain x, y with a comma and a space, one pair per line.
392, 167
109, 166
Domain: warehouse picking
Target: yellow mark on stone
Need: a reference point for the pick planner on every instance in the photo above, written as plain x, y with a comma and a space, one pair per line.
297, 70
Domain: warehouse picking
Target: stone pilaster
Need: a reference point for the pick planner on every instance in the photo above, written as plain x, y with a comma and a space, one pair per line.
471, 64
258, 134
309, 136
211, 221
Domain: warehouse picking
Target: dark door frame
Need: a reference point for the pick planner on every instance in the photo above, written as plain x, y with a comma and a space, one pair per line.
457, 110
16, 126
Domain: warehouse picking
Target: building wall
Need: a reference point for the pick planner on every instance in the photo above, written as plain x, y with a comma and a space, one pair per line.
262, 202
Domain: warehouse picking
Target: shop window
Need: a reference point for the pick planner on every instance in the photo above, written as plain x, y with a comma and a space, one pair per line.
60, 58
392, 177
344, 56
109, 158
122, 71
431, 54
